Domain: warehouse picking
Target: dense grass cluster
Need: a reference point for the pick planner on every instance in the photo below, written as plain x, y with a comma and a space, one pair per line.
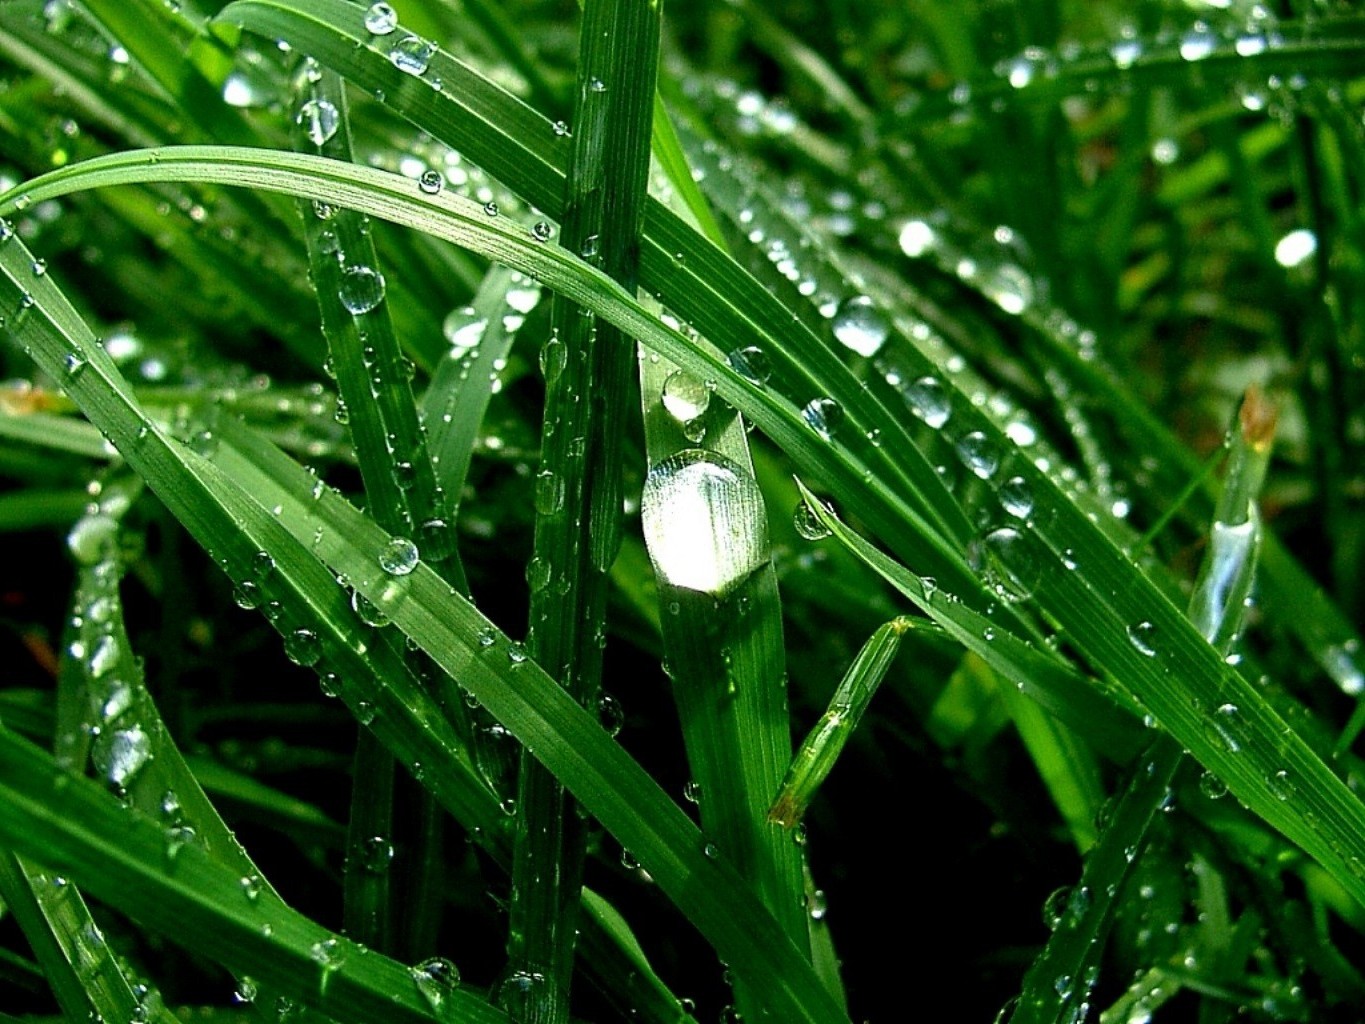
798, 513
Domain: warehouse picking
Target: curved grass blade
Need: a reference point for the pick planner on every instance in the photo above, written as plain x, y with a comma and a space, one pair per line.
233, 526
123, 858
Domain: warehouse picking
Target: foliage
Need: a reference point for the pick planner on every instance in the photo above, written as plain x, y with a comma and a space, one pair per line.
790, 488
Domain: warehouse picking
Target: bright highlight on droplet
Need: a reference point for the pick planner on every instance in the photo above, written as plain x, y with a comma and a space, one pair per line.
704, 522
916, 238
1294, 248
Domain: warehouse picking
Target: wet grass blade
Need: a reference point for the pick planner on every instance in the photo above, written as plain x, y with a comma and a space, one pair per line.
587, 368
234, 526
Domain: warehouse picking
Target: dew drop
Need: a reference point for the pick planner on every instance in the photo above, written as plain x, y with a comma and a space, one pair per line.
554, 356
431, 181
376, 855
121, 754
859, 325
303, 647
916, 238
1294, 248
541, 231
436, 979
399, 557
251, 887
362, 289
330, 954
92, 539
752, 364
928, 399
807, 524
704, 522
823, 415
412, 54
464, 329
979, 454
319, 120
367, 610
1143, 638
817, 905
549, 493
1016, 497
1125, 53
380, 19
1197, 44
685, 397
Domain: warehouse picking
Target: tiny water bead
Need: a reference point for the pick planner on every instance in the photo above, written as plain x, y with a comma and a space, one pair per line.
752, 364
928, 399
431, 181
303, 647
319, 119
824, 416
436, 979
684, 397
807, 524
362, 289
380, 19
376, 855
860, 326
399, 557
1142, 636
542, 231
979, 453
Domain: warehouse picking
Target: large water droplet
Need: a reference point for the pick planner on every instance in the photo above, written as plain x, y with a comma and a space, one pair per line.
92, 539
431, 181
928, 399
399, 557
1010, 562
860, 326
121, 754
807, 524
412, 54
704, 522
1009, 287
380, 19
463, 328
1016, 497
685, 397
319, 119
362, 288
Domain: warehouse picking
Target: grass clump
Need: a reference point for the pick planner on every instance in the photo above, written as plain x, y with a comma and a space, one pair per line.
761, 494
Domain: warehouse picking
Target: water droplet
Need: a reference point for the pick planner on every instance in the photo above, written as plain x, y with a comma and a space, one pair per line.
376, 855
436, 979
92, 539
74, 365
1009, 561
561, 129
487, 638
860, 326
549, 493
610, 714
464, 329
399, 557
1125, 53
823, 415
362, 289
928, 399
917, 238
516, 653
431, 181
1294, 248
704, 522
1009, 287
1281, 785
251, 887
104, 656
1143, 637
490, 208
554, 356
807, 525
368, 611
380, 19
1016, 497
246, 991
1197, 43
412, 54
752, 364
979, 454
303, 647
121, 754
1226, 728
1212, 786
817, 905
692, 791
685, 397
329, 953
711, 851
319, 119
541, 231
438, 539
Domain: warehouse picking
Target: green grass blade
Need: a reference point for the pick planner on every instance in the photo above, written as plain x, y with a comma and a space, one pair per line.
823, 744
587, 370
230, 521
126, 860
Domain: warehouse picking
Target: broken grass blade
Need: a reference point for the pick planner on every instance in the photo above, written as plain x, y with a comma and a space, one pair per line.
825, 742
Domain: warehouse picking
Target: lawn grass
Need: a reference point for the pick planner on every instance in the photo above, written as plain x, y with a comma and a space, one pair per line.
728, 512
